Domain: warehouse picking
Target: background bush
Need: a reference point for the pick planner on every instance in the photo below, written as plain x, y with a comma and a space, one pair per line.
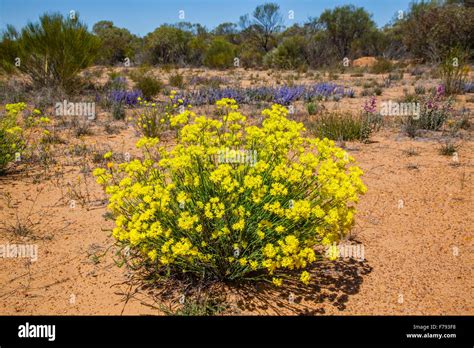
220, 54
52, 51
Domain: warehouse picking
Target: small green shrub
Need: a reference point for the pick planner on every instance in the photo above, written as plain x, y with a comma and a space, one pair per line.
420, 90
344, 127
448, 148
16, 130
153, 119
435, 109
382, 66
377, 90
118, 111
177, 80
149, 85
11, 134
312, 108
395, 76
454, 71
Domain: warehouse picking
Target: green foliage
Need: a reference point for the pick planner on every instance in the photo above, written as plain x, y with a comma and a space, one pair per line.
116, 43
344, 127
167, 45
312, 108
220, 54
430, 30
344, 24
148, 84
11, 134
377, 90
250, 56
177, 80
118, 111
265, 23
382, 66
52, 51
197, 50
434, 111
290, 54
448, 148
420, 90
454, 70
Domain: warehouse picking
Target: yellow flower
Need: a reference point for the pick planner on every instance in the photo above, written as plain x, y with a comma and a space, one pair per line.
243, 261
183, 206
277, 281
305, 277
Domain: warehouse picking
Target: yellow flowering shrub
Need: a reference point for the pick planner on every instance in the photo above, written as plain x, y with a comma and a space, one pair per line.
13, 140
151, 121
234, 201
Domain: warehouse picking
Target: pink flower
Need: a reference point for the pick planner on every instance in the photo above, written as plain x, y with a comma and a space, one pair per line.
370, 106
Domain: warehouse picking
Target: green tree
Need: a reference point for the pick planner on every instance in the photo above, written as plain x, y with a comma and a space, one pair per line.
220, 54
430, 30
266, 22
167, 45
290, 54
116, 43
52, 51
344, 25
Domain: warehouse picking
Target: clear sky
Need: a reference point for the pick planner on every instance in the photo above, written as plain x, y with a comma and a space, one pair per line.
143, 16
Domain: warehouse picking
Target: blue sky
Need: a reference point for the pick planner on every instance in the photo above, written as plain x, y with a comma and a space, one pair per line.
143, 16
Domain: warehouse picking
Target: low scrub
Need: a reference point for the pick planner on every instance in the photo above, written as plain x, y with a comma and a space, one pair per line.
232, 201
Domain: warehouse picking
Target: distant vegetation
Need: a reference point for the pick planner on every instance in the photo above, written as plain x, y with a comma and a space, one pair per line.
53, 50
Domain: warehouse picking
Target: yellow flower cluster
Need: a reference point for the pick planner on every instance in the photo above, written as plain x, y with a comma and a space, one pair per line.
189, 212
13, 137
